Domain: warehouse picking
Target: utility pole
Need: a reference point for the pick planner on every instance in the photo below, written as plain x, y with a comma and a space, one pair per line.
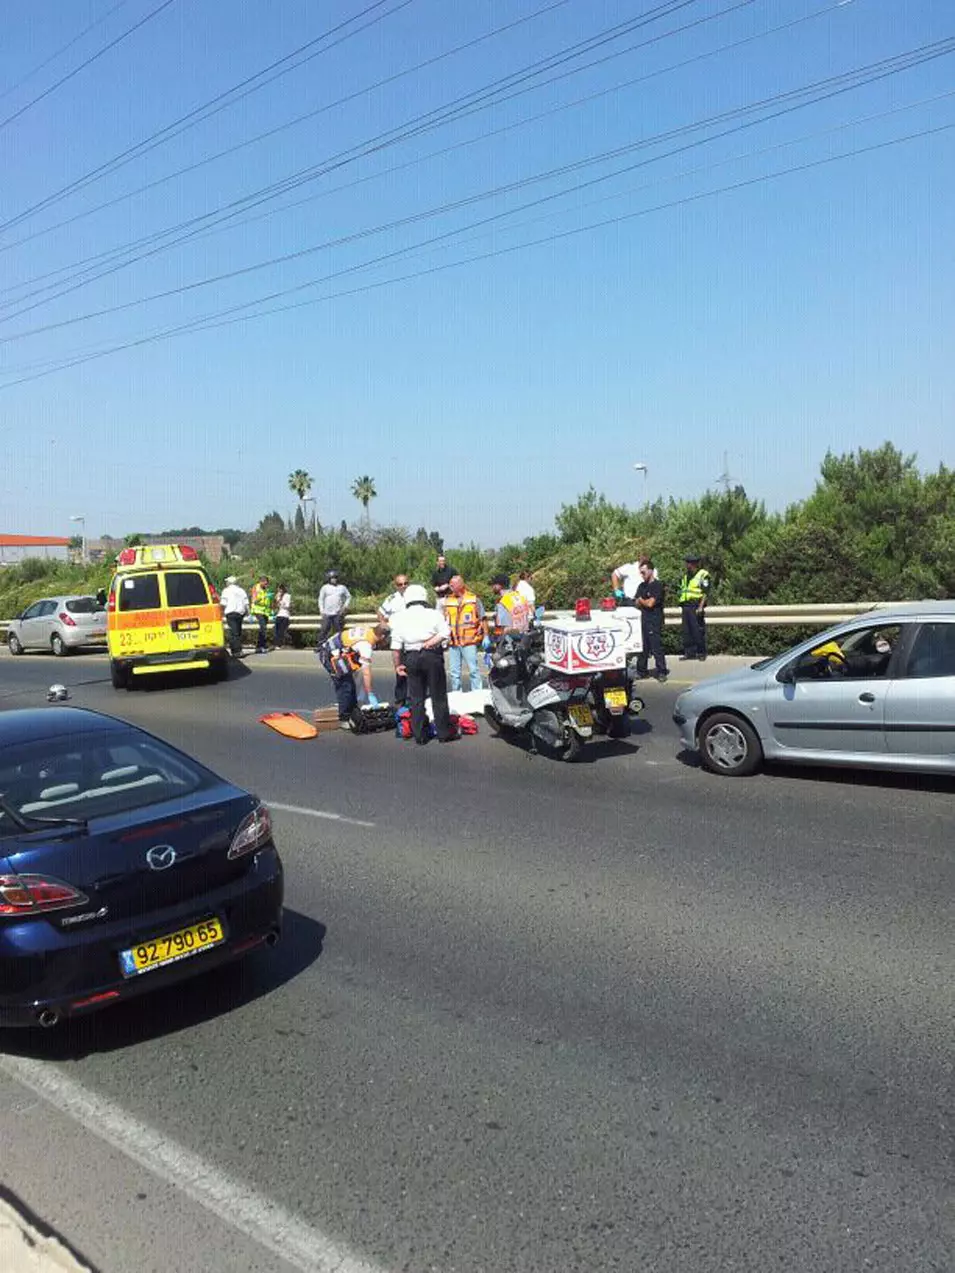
725, 479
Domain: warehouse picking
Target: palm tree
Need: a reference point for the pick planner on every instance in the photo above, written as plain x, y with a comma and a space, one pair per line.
363, 489
301, 483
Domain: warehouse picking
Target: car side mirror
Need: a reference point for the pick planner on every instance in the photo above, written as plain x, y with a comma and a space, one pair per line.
787, 675
101, 598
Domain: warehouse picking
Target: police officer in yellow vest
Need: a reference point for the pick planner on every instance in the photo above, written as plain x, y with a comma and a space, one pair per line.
262, 607
464, 612
694, 589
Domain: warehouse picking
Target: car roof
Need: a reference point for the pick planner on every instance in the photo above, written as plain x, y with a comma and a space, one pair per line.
914, 609
29, 724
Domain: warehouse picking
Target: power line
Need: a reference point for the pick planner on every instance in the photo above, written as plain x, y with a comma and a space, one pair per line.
458, 108
60, 51
153, 13
197, 115
789, 101
299, 119
213, 321
425, 122
227, 317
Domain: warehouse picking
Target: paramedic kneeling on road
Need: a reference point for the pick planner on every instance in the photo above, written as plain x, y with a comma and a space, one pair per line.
342, 655
418, 636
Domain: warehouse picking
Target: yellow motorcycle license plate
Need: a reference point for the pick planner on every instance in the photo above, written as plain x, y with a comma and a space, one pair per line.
171, 948
615, 698
581, 714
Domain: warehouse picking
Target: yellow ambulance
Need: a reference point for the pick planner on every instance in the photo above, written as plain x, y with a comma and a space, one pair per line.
163, 615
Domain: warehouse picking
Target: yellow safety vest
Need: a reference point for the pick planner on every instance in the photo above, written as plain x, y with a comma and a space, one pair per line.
262, 600
694, 589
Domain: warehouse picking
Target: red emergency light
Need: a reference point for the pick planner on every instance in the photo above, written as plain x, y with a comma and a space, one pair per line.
608, 603
127, 557
582, 609
188, 553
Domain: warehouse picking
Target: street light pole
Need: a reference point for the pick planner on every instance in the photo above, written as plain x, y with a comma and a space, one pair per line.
82, 521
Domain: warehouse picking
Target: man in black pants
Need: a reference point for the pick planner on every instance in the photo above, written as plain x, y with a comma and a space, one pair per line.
418, 636
649, 599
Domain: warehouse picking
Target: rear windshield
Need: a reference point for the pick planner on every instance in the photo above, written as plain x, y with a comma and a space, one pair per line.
185, 588
87, 775
138, 592
83, 605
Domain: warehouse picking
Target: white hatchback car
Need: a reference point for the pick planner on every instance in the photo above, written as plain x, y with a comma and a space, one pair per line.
58, 624
877, 691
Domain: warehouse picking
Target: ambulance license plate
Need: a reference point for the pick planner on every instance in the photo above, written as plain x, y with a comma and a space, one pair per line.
615, 699
186, 625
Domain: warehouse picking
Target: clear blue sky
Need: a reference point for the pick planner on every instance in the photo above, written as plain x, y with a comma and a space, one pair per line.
770, 322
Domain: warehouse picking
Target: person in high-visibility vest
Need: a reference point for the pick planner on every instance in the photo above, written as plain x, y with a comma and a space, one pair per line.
262, 606
511, 611
342, 655
694, 590
464, 612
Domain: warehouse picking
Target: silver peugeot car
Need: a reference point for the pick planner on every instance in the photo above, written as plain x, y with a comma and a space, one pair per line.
877, 691
58, 624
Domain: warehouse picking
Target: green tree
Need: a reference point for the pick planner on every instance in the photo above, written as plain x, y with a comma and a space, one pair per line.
363, 489
301, 483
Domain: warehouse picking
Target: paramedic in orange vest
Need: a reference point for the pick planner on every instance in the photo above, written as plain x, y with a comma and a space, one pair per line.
343, 655
511, 612
464, 612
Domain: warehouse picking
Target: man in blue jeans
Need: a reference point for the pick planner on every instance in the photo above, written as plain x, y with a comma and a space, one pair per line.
464, 612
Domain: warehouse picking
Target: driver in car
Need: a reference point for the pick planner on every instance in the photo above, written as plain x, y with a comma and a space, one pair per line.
870, 658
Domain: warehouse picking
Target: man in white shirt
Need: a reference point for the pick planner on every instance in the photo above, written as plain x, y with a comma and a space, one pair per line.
526, 589
419, 633
627, 579
391, 605
386, 611
235, 606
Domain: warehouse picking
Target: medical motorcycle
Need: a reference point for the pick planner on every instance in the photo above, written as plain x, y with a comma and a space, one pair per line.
557, 711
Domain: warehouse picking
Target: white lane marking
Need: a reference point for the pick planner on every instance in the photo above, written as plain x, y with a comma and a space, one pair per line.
239, 1206
317, 813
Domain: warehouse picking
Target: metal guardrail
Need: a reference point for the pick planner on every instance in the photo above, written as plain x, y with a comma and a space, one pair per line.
824, 614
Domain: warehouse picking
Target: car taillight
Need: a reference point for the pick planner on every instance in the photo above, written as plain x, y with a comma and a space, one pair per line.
213, 594
67, 619
253, 832
26, 895
582, 608
111, 603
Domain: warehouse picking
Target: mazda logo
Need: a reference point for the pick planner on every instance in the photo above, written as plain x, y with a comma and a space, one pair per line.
161, 857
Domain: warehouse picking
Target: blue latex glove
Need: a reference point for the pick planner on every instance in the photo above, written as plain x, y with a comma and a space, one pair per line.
372, 700
618, 594
486, 644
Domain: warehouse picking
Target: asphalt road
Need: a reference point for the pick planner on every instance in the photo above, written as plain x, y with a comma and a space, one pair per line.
618, 1015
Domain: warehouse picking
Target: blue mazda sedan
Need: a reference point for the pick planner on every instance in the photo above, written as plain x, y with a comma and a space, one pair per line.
125, 865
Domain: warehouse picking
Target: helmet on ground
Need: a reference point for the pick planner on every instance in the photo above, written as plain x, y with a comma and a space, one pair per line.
57, 694
415, 595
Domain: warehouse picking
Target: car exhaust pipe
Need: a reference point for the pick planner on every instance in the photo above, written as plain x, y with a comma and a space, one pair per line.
272, 939
48, 1018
